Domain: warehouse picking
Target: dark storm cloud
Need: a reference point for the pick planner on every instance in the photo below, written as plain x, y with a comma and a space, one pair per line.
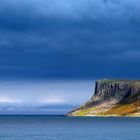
84, 39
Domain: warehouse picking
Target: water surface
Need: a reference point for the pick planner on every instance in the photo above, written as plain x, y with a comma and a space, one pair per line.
68, 128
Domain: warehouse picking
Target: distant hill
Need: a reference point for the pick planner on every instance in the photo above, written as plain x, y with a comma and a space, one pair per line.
112, 98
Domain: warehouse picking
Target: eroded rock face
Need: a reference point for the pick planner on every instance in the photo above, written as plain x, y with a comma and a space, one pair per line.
120, 90
108, 93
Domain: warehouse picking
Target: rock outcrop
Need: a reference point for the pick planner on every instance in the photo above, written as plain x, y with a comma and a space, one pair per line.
112, 98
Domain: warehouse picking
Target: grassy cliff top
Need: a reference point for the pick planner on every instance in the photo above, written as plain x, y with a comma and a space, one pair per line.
107, 81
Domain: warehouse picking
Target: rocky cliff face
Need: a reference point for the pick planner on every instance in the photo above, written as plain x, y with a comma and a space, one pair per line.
120, 90
110, 94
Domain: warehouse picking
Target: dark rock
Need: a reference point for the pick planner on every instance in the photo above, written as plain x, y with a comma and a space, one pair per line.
119, 89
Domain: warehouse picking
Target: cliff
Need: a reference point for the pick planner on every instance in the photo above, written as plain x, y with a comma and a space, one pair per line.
112, 98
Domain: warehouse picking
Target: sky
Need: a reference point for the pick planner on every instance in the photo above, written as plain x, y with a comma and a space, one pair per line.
51, 52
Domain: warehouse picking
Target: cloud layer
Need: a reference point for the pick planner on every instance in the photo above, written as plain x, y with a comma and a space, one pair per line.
72, 9
68, 39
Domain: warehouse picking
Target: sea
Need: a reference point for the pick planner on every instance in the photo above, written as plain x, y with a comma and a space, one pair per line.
69, 128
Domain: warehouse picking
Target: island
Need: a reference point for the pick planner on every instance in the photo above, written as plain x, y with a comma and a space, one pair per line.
112, 98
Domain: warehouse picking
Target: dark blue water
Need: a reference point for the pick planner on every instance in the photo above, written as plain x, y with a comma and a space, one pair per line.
68, 128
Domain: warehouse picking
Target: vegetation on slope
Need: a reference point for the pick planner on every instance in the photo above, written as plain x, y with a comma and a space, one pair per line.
123, 109
119, 110
84, 112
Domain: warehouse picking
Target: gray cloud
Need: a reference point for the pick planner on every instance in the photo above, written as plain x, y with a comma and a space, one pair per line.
72, 9
84, 39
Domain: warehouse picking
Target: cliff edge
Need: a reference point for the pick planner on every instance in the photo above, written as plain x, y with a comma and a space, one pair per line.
112, 98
